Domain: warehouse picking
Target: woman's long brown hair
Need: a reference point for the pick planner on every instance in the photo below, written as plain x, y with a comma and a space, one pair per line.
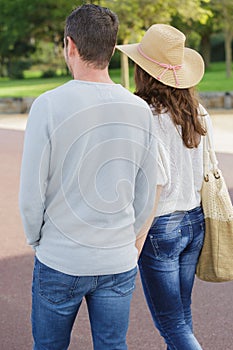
181, 104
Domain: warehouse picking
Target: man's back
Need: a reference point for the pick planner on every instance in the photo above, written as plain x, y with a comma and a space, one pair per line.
94, 140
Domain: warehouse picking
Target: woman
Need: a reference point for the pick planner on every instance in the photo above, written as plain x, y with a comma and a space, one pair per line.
165, 75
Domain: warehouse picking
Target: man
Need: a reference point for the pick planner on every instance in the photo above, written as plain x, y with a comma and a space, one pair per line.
87, 187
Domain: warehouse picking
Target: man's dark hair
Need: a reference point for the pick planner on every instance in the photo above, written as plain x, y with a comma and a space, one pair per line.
94, 31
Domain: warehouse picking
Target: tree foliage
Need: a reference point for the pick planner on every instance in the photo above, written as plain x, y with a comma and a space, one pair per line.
137, 15
25, 23
225, 20
14, 33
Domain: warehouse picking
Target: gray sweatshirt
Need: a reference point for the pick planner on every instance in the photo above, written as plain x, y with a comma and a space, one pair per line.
88, 177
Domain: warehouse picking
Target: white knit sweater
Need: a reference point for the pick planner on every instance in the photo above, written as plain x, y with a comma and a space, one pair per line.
180, 168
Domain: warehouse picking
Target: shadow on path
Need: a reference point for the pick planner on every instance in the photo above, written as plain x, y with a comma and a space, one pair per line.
212, 313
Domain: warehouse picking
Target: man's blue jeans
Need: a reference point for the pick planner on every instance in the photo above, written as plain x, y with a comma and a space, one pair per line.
56, 298
167, 266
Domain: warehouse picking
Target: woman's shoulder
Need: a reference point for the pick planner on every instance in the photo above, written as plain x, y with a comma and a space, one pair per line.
163, 123
203, 112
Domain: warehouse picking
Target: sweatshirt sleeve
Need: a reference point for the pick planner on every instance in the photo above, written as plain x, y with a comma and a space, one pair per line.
146, 181
34, 170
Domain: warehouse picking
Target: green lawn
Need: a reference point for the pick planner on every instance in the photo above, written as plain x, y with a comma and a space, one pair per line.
31, 87
213, 80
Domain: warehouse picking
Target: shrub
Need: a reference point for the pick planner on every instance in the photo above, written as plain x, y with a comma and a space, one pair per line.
15, 69
49, 73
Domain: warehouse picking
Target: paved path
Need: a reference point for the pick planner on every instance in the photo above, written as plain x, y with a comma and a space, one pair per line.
212, 303
222, 122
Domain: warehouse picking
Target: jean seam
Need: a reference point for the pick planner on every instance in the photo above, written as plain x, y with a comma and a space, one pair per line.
151, 300
190, 232
95, 284
74, 287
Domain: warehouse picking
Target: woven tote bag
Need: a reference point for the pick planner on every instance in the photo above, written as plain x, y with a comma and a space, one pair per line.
215, 263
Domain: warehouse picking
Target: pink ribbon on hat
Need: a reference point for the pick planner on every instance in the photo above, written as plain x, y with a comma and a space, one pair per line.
164, 65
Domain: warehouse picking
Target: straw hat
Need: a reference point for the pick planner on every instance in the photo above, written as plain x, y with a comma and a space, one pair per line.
163, 55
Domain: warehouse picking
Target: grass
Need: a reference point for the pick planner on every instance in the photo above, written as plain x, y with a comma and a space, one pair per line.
115, 75
31, 87
213, 80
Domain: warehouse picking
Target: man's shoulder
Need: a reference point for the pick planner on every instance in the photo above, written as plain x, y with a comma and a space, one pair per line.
57, 90
132, 98
52, 93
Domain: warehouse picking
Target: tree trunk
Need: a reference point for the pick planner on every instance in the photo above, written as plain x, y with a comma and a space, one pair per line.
125, 68
205, 49
2, 67
228, 40
124, 71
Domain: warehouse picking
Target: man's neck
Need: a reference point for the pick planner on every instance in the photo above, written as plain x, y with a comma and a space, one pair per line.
83, 70
86, 73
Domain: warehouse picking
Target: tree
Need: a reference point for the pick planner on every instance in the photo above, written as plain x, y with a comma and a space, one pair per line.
225, 8
129, 29
14, 35
219, 20
24, 22
137, 15
198, 29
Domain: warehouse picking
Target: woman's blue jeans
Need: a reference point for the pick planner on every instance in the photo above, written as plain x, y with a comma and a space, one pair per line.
167, 266
56, 298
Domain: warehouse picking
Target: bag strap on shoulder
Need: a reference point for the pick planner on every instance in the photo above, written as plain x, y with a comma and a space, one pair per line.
209, 156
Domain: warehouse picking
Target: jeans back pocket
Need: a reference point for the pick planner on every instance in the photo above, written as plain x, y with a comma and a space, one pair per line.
124, 283
56, 287
166, 245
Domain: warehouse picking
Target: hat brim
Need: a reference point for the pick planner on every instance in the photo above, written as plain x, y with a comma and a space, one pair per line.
189, 75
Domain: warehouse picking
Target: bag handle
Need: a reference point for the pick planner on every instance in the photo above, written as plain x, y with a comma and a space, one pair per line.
209, 156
